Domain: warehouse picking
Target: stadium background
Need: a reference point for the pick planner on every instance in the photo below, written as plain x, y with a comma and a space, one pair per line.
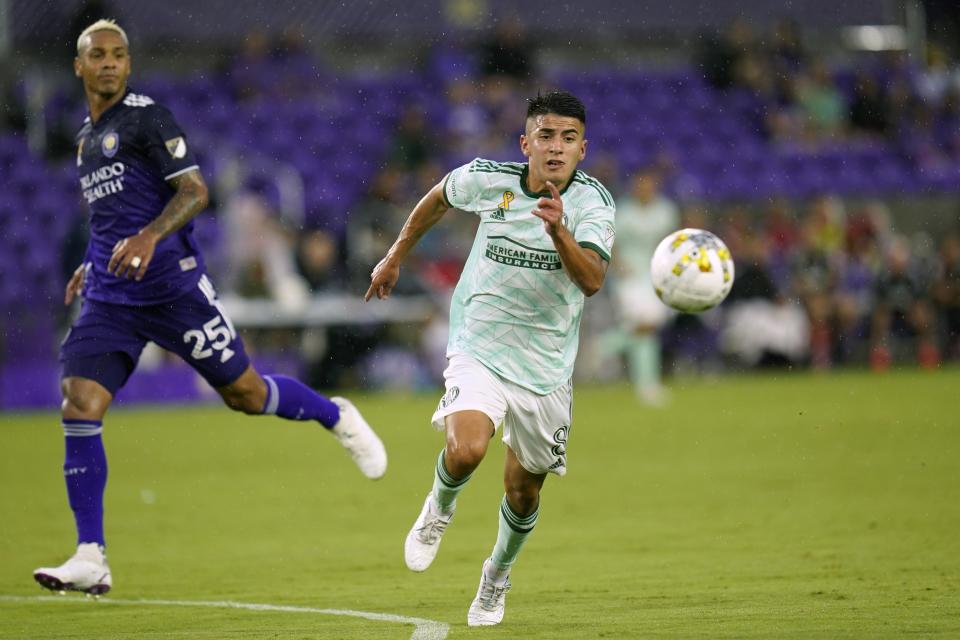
821, 140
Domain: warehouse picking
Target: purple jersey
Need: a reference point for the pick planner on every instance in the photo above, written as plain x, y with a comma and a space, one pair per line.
124, 161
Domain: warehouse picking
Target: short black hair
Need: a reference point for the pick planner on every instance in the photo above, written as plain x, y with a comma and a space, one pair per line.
561, 103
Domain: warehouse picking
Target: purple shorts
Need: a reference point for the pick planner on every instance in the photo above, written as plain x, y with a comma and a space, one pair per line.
105, 342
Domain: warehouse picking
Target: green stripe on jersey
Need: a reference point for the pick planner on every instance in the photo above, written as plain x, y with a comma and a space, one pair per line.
604, 194
600, 250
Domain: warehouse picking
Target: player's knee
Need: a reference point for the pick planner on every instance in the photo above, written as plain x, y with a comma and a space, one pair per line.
523, 500
83, 402
465, 455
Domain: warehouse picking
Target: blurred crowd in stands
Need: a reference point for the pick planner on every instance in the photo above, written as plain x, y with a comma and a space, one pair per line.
820, 281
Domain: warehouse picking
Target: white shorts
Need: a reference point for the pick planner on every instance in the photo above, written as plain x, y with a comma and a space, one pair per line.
535, 427
638, 304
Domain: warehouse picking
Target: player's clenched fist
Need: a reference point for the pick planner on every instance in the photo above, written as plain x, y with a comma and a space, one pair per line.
75, 286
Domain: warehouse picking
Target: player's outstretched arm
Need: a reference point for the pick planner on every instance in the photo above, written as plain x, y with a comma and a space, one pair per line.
426, 214
131, 256
584, 266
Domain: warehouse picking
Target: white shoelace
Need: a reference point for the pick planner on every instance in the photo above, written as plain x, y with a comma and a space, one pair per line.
432, 529
491, 594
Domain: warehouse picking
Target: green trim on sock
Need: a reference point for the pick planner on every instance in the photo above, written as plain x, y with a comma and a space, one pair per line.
520, 524
512, 532
444, 474
446, 487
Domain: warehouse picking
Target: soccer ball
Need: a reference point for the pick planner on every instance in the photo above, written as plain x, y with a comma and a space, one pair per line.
692, 270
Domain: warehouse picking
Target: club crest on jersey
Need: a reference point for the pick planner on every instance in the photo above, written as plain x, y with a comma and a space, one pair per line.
177, 147
452, 394
110, 144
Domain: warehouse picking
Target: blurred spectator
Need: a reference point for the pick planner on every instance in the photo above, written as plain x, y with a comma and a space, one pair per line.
869, 113
413, 142
250, 69
813, 278
729, 58
946, 293
935, 79
260, 250
508, 52
317, 260
780, 237
466, 121
903, 318
820, 102
761, 327
374, 222
787, 50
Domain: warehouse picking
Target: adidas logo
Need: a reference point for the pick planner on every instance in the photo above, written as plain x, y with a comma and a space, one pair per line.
498, 214
137, 100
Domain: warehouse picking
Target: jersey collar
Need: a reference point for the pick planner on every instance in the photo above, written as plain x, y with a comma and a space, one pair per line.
542, 194
109, 113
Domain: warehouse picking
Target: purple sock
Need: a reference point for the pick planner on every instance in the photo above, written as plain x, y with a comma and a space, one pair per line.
85, 470
291, 399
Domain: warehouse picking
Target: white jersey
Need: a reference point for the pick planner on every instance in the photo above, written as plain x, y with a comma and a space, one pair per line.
641, 227
515, 309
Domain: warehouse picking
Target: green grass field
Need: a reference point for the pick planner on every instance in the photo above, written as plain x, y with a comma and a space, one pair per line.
788, 506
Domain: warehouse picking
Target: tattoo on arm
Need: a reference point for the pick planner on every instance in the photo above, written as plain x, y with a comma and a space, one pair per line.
189, 200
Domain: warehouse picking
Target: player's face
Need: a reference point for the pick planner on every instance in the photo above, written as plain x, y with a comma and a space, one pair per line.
104, 64
555, 145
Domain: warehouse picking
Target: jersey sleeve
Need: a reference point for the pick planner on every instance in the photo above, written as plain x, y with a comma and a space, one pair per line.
463, 186
597, 229
165, 143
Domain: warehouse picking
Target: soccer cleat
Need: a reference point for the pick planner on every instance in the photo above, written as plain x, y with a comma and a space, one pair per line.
423, 541
86, 571
487, 608
359, 439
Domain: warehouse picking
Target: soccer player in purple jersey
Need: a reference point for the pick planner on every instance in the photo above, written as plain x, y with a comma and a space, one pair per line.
143, 280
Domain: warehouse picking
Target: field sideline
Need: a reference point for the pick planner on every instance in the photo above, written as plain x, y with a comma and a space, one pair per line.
778, 506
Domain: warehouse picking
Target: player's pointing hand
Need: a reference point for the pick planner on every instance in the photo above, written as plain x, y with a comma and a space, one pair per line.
550, 210
382, 279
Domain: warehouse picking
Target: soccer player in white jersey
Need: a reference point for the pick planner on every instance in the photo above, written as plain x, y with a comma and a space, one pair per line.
643, 220
544, 241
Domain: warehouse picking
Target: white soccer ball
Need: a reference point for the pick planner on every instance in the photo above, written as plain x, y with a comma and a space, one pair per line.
692, 270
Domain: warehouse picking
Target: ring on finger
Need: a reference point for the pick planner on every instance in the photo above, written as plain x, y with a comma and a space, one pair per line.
135, 262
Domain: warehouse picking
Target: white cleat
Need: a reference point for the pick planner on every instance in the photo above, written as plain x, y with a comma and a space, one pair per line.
359, 439
487, 608
423, 541
86, 571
